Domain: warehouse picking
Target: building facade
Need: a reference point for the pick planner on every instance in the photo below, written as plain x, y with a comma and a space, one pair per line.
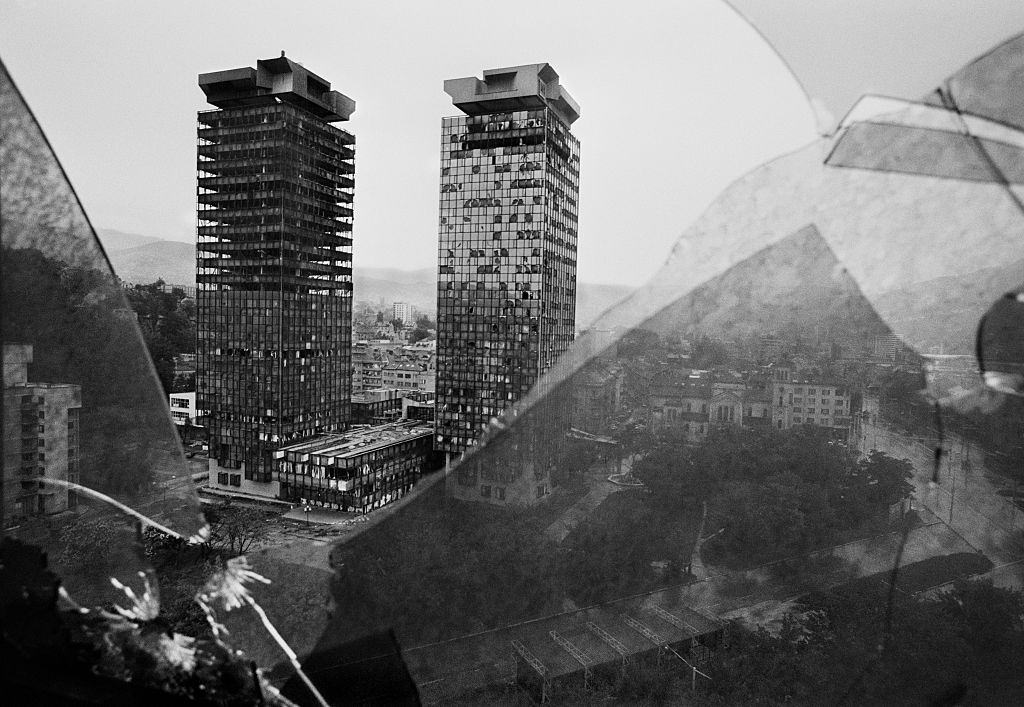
402, 312
41, 440
359, 471
692, 404
808, 402
274, 265
183, 408
507, 244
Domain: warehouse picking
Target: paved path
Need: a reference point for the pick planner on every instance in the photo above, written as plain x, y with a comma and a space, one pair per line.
600, 489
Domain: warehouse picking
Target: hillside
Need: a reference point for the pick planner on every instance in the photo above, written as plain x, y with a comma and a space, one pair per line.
172, 261
143, 259
794, 284
114, 240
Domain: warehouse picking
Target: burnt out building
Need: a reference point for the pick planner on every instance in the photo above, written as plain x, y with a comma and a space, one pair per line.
506, 303
274, 266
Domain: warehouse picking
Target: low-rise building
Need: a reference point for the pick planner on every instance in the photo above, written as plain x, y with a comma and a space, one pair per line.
183, 408
407, 376
376, 407
357, 471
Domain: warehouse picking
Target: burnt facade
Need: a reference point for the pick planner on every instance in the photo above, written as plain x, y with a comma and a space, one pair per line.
507, 244
274, 265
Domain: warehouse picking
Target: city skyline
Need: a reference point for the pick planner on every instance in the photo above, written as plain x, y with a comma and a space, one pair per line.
398, 129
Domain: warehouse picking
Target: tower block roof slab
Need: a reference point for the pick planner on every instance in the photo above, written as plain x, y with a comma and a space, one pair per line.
275, 79
513, 88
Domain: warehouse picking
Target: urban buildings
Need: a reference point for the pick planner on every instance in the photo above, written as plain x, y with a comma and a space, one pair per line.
507, 244
274, 266
807, 402
358, 471
402, 312
40, 439
693, 403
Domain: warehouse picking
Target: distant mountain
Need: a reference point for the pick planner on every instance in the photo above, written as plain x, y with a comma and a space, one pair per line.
912, 309
143, 259
794, 284
173, 262
114, 240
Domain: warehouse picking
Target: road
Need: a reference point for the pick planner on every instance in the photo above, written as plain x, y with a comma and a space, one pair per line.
966, 497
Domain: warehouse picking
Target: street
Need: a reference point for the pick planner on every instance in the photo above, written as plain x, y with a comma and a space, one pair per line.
966, 498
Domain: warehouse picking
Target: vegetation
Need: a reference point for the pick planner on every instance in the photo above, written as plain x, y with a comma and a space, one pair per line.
74, 319
963, 646
773, 493
236, 529
168, 324
615, 549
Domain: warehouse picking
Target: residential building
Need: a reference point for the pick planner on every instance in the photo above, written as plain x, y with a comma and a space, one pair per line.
808, 402
407, 376
402, 312
887, 346
358, 471
507, 244
274, 266
40, 440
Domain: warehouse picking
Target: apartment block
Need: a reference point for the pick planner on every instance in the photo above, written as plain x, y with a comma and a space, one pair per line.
40, 440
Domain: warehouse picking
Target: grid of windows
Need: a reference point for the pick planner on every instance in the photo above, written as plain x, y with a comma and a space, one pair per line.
274, 307
356, 480
507, 261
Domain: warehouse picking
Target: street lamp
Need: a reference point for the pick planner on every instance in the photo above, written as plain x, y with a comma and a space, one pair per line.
307, 508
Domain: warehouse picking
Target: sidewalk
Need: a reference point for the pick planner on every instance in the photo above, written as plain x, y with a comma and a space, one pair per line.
321, 516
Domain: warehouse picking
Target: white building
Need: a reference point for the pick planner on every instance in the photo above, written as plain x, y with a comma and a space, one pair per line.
183, 408
402, 311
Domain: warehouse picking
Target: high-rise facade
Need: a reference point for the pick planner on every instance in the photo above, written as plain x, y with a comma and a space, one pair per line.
274, 266
506, 303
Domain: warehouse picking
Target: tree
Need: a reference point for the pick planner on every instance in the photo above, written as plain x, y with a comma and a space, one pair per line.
708, 352
167, 321
773, 492
236, 529
963, 646
418, 334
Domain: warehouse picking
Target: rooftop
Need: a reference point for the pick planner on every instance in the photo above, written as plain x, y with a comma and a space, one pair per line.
513, 88
276, 79
357, 442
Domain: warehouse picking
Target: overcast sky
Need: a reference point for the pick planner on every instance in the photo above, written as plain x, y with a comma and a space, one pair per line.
677, 98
